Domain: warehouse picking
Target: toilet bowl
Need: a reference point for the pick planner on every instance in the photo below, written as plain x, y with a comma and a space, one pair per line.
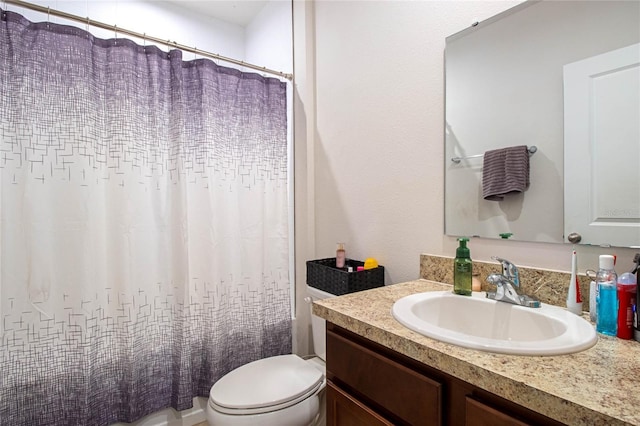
284, 390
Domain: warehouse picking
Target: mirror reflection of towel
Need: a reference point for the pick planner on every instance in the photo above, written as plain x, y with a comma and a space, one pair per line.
505, 171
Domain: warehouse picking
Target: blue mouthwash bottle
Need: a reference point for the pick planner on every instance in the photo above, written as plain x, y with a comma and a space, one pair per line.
607, 297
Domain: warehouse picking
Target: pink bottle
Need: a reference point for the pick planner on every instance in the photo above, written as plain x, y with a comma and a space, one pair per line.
340, 256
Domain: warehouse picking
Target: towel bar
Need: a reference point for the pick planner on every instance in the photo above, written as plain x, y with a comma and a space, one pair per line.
532, 149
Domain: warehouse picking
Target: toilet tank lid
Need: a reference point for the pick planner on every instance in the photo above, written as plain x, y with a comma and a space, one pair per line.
318, 294
265, 383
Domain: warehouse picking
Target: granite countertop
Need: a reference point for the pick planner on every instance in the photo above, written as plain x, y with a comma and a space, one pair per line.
598, 386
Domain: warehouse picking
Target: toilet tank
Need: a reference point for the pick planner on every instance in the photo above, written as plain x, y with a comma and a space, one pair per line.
317, 323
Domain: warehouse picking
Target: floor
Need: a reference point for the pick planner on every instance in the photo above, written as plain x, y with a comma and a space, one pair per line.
202, 424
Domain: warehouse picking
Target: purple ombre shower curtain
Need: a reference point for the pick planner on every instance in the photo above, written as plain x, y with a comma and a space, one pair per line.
143, 225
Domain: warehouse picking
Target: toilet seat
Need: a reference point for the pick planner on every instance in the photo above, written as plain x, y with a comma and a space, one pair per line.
266, 385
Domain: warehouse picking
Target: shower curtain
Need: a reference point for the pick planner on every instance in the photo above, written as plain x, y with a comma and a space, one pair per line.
143, 225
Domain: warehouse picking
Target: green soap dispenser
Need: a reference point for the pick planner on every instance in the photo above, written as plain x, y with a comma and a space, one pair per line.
462, 269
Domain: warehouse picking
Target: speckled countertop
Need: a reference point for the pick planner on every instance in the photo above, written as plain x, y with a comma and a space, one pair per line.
598, 386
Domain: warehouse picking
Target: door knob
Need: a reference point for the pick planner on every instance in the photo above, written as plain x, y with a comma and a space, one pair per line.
574, 238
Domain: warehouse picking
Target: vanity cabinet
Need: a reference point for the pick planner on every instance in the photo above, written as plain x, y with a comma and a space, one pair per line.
369, 384
347, 410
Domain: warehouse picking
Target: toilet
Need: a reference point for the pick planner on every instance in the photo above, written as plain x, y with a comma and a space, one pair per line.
283, 390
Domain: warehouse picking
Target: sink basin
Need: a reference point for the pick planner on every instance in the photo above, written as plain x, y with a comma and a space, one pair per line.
484, 324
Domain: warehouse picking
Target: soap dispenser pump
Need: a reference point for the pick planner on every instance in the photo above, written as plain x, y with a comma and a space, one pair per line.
462, 267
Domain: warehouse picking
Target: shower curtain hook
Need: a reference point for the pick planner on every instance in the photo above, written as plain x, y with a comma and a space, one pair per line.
48, 15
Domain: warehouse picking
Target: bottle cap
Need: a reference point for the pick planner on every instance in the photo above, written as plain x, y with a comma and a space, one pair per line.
370, 263
627, 279
606, 261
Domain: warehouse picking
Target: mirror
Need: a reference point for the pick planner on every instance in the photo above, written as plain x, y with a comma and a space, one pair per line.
505, 86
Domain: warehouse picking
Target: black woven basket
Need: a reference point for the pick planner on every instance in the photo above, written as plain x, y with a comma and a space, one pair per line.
323, 275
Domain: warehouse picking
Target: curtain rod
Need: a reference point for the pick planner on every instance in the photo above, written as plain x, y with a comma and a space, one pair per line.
168, 43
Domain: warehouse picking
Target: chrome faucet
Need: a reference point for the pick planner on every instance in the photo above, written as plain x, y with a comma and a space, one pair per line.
506, 285
509, 270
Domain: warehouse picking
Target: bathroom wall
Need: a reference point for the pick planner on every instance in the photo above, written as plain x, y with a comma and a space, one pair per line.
269, 39
370, 127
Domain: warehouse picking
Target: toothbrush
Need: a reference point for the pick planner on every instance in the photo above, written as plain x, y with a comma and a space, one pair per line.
574, 298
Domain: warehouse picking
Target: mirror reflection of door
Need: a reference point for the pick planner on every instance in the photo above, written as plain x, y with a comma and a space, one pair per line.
602, 147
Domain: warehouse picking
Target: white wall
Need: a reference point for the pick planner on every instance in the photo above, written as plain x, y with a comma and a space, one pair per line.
268, 38
370, 127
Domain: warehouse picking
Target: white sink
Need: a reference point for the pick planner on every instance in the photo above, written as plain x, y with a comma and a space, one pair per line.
480, 323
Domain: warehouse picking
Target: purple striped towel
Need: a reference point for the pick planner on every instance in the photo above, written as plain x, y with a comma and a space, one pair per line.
505, 171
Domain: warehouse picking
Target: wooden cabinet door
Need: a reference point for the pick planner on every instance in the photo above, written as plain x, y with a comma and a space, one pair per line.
479, 414
344, 410
401, 393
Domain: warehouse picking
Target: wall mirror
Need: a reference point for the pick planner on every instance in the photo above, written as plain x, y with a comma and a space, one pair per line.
512, 80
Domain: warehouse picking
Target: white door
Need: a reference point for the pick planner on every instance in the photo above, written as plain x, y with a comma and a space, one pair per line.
602, 148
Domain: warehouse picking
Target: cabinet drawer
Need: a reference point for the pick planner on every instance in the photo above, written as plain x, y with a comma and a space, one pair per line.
343, 409
479, 414
412, 398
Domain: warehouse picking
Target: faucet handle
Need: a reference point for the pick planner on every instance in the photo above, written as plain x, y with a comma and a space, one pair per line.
509, 270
